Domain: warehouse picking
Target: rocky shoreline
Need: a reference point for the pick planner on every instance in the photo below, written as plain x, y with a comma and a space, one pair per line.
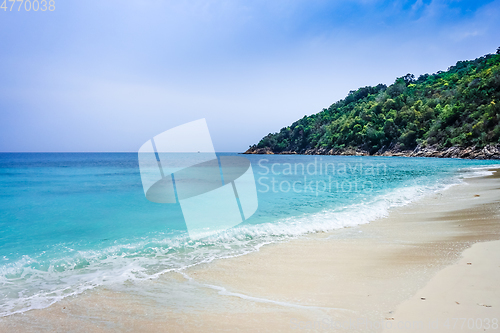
483, 153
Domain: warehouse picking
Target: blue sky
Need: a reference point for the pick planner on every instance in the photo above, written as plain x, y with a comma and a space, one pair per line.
109, 75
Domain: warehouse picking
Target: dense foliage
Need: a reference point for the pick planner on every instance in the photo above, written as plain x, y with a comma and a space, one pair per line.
459, 107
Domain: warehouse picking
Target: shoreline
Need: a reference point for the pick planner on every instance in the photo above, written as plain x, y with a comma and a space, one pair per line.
488, 152
367, 271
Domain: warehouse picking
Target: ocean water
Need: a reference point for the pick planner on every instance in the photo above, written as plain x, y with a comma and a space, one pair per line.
70, 222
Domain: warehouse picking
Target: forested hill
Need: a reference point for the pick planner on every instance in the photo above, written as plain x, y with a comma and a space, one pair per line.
456, 108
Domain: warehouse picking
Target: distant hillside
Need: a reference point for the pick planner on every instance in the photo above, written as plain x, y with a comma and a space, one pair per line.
451, 110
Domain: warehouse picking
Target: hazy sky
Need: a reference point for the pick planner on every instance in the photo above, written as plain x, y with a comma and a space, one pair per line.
108, 75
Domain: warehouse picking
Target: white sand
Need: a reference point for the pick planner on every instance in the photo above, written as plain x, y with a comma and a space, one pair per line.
463, 297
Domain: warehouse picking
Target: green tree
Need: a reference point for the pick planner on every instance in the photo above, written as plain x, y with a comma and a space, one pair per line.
460, 106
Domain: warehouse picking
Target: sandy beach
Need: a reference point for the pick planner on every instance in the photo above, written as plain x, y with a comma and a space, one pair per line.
434, 260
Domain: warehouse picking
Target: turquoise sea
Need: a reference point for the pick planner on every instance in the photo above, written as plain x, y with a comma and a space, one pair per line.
71, 222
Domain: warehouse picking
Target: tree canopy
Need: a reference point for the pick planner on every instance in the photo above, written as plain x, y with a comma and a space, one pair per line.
458, 107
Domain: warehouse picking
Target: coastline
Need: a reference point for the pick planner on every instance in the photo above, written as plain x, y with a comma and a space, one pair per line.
488, 152
365, 273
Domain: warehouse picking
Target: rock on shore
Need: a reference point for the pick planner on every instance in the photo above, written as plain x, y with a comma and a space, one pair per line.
484, 153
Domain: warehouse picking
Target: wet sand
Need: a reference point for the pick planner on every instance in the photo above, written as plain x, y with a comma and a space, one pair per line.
359, 279
463, 297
